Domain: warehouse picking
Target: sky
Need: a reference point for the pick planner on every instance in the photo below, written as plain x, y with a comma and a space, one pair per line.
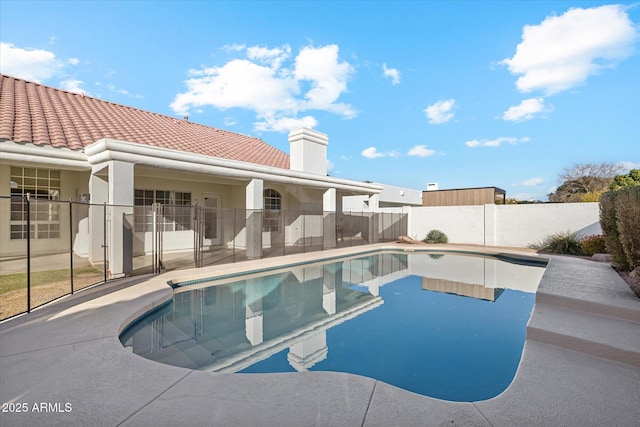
459, 93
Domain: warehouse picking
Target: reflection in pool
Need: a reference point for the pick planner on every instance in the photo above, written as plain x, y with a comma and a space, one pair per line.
446, 326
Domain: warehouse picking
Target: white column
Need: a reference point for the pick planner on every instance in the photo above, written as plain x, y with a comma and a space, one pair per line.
374, 219
374, 202
329, 295
121, 177
254, 316
254, 205
98, 194
309, 351
329, 213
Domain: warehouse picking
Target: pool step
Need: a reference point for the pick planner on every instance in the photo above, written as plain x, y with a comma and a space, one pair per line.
586, 330
630, 311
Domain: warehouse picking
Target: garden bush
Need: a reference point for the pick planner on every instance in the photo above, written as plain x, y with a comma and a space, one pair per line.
620, 222
436, 236
609, 226
566, 243
627, 206
593, 245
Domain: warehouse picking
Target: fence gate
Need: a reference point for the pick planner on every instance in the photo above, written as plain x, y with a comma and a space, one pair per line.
198, 235
156, 239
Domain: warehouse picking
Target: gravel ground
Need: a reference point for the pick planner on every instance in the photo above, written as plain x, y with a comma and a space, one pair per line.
633, 279
15, 302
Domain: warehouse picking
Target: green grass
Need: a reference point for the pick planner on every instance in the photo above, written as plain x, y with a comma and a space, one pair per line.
13, 282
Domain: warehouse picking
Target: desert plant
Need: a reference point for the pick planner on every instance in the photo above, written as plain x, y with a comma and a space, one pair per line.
593, 245
566, 243
436, 236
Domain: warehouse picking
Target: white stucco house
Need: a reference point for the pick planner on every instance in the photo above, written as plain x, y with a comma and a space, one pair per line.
391, 196
62, 146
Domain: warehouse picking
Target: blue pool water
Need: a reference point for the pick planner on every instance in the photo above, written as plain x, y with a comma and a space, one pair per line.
446, 326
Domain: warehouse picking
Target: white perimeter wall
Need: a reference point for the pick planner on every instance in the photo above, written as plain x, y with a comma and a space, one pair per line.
504, 225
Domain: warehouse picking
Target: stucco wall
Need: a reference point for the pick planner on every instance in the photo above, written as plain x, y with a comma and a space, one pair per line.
504, 225
462, 224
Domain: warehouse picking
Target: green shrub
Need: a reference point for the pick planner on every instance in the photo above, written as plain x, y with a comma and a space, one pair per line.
609, 225
593, 245
566, 243
435, 236
627, 205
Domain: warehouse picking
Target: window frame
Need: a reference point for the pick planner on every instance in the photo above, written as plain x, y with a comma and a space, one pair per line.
272, 203
177, 209
43, 187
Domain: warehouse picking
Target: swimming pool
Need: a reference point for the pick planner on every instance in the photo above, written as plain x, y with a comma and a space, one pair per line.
448, 326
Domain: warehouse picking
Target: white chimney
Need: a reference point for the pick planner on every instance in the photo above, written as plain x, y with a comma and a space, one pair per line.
432, 186
308, 151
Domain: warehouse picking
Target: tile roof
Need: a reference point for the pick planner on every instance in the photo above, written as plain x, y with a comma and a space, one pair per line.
41, 115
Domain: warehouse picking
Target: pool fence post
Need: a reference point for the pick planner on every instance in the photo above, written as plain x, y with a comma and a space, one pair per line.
104, 241
71, 242
27, 199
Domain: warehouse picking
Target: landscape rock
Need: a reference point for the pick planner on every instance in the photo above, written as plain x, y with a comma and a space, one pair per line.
602, 257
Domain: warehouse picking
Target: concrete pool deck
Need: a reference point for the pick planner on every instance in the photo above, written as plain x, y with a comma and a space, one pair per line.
580, 365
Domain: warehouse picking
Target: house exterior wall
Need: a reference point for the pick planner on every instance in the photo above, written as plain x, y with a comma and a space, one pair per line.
72, 184
390, 196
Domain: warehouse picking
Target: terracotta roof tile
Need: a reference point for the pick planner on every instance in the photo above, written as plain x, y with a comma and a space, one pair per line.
41, 115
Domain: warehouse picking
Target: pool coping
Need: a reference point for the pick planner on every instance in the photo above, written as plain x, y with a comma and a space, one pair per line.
66, 353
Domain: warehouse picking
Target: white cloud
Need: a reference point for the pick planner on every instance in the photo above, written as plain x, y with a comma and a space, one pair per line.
328, 79
627, 166
72, 86
284, 124
392, 73
421, 151
313, 80
113, 88
373, 153
273, 57
531, 182
330, 166
440, 112
73, 61
495, 142
563, 51
235, 47
29, 64
523, 196
526, 110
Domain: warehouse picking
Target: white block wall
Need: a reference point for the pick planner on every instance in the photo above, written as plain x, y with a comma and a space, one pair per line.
504, 225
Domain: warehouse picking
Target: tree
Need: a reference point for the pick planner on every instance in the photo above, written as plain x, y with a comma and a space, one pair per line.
632, 179
585, 182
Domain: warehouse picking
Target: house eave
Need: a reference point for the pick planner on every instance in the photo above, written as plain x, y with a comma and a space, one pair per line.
106, 150
15, 153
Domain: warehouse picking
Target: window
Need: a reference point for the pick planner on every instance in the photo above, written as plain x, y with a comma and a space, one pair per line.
177, 209
272, 206
43, 187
